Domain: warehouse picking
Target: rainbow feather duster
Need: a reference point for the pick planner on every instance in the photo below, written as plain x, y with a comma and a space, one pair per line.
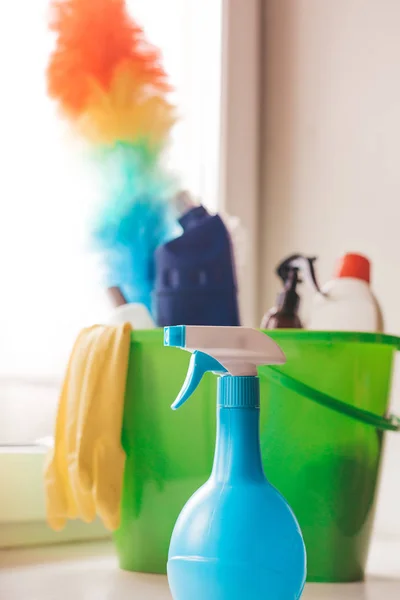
109, 83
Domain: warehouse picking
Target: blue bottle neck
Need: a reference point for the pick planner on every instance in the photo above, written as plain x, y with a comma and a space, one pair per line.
237, 453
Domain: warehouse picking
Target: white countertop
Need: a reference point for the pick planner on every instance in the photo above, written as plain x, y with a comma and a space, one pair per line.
90, 572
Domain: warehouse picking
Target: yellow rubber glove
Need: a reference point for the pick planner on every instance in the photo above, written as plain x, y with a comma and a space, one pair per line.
84, 367
100, 459
60, 502
84, 471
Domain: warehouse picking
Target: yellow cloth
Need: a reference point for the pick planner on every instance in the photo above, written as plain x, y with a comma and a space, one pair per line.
84, 470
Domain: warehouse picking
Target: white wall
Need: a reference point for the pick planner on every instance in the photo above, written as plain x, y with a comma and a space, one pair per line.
331, 155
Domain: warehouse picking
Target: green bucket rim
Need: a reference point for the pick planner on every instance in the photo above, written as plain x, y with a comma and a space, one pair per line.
147, 335
153, 335
384, 423
388, 422
336, 336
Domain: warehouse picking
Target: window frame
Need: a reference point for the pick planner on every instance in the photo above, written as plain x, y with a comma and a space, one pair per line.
240, 136
23, 522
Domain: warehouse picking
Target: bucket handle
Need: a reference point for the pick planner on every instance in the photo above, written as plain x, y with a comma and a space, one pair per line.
385, 423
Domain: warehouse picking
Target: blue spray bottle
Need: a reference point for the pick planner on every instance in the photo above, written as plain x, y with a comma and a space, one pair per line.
236, 538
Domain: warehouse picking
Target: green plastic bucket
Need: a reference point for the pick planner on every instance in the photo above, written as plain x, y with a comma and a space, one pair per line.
323, 415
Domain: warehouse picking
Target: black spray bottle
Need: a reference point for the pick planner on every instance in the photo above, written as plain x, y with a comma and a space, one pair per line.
285, 314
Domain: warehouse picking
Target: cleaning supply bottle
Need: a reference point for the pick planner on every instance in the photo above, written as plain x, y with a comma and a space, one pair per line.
236, 538
133, 313
285, 313
347, 302
195, 274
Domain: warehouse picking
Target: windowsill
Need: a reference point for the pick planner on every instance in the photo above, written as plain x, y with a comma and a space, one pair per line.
22, 503
33, 534
8, 449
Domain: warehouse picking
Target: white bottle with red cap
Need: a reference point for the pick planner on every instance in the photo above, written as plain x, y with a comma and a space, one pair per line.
347, 302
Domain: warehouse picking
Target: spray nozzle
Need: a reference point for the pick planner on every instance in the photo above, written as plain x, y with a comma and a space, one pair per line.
235, 351
289, 268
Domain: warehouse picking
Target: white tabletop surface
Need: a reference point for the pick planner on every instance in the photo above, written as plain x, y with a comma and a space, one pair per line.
90, 572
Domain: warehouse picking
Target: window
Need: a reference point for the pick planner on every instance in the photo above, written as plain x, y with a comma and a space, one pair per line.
49, 282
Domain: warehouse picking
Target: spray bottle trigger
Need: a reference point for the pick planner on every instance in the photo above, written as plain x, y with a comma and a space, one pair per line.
300, 263
310, 272
200, 363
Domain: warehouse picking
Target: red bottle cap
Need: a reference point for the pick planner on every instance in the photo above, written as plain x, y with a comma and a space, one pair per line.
354, 265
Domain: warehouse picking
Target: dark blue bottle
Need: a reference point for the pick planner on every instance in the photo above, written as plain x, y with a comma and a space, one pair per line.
195, 274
